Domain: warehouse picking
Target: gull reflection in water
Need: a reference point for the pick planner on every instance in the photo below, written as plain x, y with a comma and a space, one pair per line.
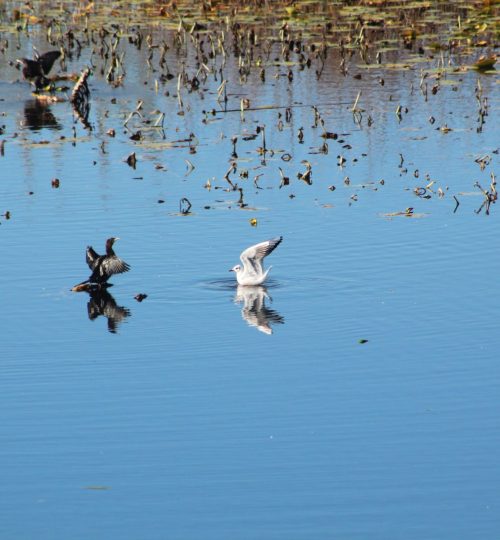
102, 303
254, 310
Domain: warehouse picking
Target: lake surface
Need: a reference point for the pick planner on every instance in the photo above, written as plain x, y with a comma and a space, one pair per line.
354, 396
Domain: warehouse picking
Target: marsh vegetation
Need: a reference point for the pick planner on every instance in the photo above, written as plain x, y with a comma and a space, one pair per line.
358, 385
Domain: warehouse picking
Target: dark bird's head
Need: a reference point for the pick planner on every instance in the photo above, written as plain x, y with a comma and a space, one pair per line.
111, 241
109, 244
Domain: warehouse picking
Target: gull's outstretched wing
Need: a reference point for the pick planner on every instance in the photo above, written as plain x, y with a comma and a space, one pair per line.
252, 257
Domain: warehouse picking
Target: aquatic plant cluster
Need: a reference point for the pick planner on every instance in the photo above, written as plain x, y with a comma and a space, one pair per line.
212, 52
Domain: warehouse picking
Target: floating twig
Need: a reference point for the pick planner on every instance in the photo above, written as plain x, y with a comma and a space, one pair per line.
184, 210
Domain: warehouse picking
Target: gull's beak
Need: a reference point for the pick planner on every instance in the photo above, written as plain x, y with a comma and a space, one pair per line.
231, 269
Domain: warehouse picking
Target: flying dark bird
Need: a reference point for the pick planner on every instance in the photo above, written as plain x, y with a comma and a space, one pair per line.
36, 70
104, 266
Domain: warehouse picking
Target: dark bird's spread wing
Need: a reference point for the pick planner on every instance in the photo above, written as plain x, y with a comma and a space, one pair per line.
104, 266
91, 257
113, 265
46, 60
31, 68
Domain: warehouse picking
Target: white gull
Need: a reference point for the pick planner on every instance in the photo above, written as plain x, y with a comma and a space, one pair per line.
252, 272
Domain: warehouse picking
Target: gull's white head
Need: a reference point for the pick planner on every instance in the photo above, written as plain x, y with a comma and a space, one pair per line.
236, 268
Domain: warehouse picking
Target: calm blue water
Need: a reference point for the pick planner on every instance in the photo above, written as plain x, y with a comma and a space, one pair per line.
187, 421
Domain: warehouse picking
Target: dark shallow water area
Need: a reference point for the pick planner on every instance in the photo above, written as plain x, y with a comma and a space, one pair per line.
355, 395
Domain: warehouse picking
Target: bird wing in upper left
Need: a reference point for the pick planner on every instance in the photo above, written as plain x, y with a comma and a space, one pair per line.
91, 256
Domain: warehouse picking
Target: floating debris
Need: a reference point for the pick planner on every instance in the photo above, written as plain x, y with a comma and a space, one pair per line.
307, 175
131, 160
285, 181
409, 213
490, 196
80, 98
184, 206
485, 62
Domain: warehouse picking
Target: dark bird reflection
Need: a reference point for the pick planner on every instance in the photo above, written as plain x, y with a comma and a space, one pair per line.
102, 303
254, 310
37, 115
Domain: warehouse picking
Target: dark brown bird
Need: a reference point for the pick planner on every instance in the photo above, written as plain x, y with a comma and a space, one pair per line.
36, 70
104, 266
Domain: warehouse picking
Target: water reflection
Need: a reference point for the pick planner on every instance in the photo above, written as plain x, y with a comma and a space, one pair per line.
82, 111
102, 303
37, 115
254, 310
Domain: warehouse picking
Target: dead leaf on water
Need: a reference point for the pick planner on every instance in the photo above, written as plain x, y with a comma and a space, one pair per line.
44, 99
408, 213
56, 143
485, 62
